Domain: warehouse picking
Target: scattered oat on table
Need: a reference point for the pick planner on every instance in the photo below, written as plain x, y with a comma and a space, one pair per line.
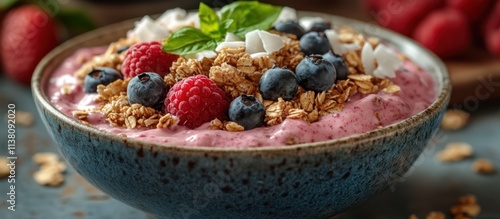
435, 215
4, 168
51, 169
483, 166
466, 207
455, 151
454, 119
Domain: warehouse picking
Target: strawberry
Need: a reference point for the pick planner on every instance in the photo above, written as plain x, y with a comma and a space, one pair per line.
491, 30
27, 34
446, 32
403, 15
472, 9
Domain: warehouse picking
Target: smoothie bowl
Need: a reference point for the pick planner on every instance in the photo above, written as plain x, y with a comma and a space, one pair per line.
313, 154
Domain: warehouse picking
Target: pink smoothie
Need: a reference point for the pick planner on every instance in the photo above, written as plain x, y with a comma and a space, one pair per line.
358, 116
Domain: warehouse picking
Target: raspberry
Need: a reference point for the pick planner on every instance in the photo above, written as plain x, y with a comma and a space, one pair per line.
446, 32
196, 100
27, 34
472, 9
403, 15
491, 30
147, 57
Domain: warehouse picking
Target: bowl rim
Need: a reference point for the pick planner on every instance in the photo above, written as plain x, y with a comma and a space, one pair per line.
440, 101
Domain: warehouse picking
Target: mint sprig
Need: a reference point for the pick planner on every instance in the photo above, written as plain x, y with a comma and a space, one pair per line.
238, 18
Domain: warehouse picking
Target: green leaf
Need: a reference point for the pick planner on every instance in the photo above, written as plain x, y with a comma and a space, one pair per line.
209, 22
76, 21
249, 15
188, 40
5, 4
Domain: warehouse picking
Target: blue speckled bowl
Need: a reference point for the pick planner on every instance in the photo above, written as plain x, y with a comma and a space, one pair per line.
314, 180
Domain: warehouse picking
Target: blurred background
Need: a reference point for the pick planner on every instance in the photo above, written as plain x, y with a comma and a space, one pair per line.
464, 33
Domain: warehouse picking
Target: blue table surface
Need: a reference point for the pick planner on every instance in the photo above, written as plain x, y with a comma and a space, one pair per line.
429, 185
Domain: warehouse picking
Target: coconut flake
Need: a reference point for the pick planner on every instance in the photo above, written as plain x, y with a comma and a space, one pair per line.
253, 42
368, 58
147, 30
287, 13
307, 22
258, 55
271, 42
230, 37
234, 45
176, 18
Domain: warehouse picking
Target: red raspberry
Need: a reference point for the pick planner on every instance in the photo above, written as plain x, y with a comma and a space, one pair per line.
27, 34
491, 30
403, 15
472, 9
446, 32
196, 100
147, 57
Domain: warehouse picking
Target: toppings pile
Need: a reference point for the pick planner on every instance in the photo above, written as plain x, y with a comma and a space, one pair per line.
232, 73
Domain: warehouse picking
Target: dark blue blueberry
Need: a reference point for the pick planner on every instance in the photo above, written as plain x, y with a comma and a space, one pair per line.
122, 49
147, 89
316, 74
290, 26
98, 76
278, 82
314, 43
319, 27
339, 64
247, 111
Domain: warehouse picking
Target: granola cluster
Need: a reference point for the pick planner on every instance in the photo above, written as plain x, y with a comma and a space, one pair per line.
237, 73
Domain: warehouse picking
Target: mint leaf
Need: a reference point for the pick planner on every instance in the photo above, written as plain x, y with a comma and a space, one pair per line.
76, 21
188, 40
209, 22
249, 15
5, 4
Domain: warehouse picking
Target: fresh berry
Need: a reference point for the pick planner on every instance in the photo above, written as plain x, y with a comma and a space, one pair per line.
472, 9
98, 76
290, 26
247, 111
319, 27
316, 74
446, 32
147, 57
491, 30
196, 100
314, 43
278, 82
339, 64
147, 89
27, 34
122, 49
403, 15
493, 42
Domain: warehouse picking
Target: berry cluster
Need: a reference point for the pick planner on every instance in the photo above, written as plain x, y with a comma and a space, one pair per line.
197, 99
446, 27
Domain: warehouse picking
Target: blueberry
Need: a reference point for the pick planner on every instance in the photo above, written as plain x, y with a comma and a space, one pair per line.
316, 74
290, 26
319, 27
98, 76
314, 43
339, 64
247, 111
122, 49
278, 82
147, 89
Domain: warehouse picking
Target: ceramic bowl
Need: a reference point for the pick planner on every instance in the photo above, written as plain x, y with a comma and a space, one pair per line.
314, 180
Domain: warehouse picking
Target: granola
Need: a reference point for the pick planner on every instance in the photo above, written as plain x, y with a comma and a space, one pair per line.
483, 166
237, 73
455, 151
51, 169
455, 119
